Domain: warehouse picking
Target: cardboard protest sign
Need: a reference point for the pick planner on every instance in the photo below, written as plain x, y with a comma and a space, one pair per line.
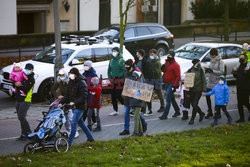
137, 90
189, 80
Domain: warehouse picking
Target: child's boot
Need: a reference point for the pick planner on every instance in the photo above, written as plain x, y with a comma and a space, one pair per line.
214, 123
229, 120
185, 115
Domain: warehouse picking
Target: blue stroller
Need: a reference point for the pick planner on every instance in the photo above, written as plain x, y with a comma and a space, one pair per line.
47, 134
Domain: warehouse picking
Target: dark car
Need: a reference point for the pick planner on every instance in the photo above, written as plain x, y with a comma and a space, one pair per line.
141, 36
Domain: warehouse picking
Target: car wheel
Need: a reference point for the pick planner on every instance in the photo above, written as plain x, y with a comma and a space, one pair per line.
45, 90
162, 50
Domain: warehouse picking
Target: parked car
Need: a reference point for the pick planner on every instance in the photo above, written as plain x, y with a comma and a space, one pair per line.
73, 55
141, 36
230, 55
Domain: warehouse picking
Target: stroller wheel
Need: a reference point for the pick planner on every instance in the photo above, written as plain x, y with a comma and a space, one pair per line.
29, 148
61, 145
65, 135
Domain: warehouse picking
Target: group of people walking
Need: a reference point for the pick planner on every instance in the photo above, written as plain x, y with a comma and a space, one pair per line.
83, 91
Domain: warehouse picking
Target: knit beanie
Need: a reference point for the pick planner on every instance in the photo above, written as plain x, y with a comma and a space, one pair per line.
95, 80
29, 66
116, 49
88, 63
222, 78
195, 61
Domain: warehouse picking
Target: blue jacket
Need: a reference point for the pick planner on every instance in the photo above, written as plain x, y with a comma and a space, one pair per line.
221, 93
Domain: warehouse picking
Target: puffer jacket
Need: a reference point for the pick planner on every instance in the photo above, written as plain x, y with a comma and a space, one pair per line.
172, 73
221, 93
62, 85
217, 65
200, 83
116, 68
77, 92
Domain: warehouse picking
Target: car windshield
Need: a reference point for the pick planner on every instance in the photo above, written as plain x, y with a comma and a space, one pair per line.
107, 32
49, 55
191, 52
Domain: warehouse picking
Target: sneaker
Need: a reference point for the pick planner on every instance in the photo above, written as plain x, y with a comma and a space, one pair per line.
137, 134
191, 122
229, 121
11, 91
240, 120
90, 140
185, 115
97, 129
22, 138
113, 113
131, 114
94, 125
161, 109
149, 113
76, 135
125, 132
210, 114
163, 117
145, 127
176, 115
201, 116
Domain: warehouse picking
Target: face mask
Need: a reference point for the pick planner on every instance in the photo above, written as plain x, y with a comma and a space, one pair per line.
114, 54
128, 68
62, 78
27, 72
221, 82
242, 60
152, 57
170, 58
86, 68
72, 76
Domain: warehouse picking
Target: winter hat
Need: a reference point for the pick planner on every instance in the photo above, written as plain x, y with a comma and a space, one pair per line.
116, 49
129, 62
245, 46
88, 63
29, 66
195, 61
95, 80
74, 71
222, 78
17, 64
171, 52
62, 72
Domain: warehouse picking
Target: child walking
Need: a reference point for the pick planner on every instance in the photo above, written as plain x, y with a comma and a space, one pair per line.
17, 75
94, 103
221, 93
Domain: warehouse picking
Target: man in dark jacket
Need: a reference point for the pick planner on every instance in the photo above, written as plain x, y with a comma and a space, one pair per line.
156, 80
116, 70
77, 96
171, 77
196, 91
23, 102
242, 75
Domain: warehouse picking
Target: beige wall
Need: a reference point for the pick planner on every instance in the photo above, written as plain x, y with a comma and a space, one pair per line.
8, 17
68, 19
186, 13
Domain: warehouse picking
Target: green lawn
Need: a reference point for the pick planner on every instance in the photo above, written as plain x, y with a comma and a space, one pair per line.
216, 146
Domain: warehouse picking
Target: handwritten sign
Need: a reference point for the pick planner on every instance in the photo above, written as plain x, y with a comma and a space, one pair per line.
137, 90
189, 80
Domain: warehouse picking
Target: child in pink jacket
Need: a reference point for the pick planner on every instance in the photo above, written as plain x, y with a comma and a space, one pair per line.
17, 75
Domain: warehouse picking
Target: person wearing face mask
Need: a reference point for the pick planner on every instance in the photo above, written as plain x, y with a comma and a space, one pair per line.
23, 102
216, 68
171, 77
242, 76
246, 51
196, 91
221, 93
58, 90
76, 96
89, 73
116, 71
156, 80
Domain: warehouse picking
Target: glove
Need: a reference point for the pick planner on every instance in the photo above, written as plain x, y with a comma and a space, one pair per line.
173, 89
71, 103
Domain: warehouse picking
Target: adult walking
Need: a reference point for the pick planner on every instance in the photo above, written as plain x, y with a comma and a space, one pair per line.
242, 75
155, 80
215, 69
23, 101
196, 91
76, 96
89, 73
171, 77
116, 71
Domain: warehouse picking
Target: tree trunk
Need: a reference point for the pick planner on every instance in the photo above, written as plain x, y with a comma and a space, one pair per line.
58, 61
226, 20
121, 27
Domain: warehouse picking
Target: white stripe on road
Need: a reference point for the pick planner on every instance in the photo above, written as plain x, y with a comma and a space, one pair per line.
153, 119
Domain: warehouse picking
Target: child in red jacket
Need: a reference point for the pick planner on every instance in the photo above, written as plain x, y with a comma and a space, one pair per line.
94, 103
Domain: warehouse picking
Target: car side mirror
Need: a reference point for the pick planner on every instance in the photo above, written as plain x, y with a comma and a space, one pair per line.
75, 62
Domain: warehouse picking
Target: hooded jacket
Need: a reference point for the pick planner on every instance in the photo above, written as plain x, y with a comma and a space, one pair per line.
27, 88
89, 74
116, 68
221, 93
217, 66
172, 73
200, 83
156, 68
17, 76
94, 99
77, 92
62, 85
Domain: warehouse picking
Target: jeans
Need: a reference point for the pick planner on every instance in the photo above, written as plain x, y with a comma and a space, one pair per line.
69, 116
77, 119
195, 98
22, 109
127, 118
170, 99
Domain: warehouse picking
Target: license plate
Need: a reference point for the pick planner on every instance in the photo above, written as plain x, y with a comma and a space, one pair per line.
5, 86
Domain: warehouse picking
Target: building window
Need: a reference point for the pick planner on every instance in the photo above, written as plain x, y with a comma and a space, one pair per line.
147, 11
